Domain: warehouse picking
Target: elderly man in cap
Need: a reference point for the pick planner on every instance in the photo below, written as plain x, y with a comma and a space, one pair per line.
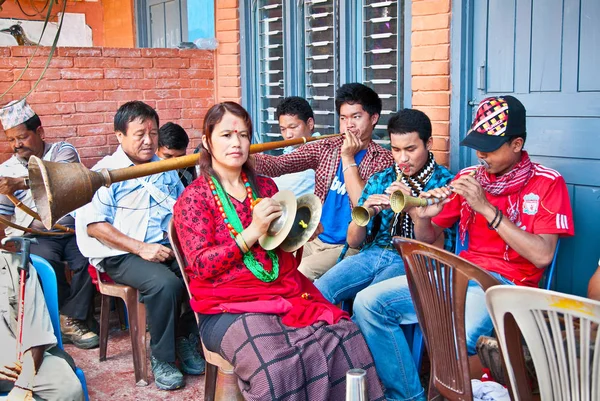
25, 134
513, 211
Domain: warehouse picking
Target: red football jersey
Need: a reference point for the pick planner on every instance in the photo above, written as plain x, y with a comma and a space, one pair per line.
545, 208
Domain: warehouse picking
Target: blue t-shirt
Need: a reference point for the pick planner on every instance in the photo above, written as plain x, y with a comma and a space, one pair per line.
336, 211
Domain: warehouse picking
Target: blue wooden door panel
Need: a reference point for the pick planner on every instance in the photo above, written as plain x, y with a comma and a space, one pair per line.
546, 53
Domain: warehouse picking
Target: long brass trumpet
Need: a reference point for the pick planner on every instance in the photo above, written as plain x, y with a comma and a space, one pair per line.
60, 188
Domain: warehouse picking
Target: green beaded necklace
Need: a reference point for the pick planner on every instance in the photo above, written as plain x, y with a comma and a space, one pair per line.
232, 220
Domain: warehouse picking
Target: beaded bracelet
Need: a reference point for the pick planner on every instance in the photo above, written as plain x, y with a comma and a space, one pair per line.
493, 222
499, 221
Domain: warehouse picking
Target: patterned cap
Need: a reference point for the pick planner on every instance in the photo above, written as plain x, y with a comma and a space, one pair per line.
492, 126
15, 113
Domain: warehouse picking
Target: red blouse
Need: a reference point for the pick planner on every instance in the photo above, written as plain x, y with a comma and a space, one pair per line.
219, 279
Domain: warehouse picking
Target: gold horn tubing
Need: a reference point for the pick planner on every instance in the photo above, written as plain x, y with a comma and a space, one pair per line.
27, 229
399, 201
362, 215
60, 188
36, 216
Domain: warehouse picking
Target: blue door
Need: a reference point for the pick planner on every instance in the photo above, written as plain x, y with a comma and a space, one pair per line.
547, 54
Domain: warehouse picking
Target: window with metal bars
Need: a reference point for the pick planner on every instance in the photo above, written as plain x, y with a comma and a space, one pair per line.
295, 50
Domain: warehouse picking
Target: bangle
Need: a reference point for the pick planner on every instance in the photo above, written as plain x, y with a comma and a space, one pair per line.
499, 221
348, 166
493, 222
241, 243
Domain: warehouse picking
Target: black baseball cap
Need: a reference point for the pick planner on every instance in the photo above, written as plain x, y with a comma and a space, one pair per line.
498, 119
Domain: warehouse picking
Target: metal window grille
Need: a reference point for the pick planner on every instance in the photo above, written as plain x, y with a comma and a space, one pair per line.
382, 58
321, 77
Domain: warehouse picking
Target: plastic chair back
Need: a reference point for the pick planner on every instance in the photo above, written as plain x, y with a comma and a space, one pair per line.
47, 278
438, 282
561, 332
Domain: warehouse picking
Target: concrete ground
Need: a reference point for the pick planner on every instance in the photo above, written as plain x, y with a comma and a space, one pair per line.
113, 379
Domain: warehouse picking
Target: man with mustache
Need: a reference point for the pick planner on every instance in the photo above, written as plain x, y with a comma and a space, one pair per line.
25, 134
414, 171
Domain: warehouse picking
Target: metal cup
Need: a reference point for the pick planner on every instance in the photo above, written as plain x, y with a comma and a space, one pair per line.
356, 385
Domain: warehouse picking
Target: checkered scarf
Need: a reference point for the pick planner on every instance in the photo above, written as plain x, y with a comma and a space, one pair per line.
416, 183
509, 184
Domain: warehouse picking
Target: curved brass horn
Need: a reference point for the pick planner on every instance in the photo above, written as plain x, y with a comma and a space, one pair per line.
60, 188
399, 201
362, 215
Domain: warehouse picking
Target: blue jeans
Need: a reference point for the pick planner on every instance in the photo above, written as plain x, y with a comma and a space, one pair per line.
355, 273
380, 309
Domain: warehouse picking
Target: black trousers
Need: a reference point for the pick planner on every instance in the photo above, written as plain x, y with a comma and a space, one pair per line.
75, 300
162, 291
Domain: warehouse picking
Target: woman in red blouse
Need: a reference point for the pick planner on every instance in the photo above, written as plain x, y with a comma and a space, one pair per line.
283, 338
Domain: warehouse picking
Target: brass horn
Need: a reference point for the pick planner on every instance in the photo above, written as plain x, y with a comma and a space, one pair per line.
361, 216
60, 188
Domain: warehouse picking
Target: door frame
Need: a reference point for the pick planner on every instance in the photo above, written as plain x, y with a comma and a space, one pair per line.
461, 73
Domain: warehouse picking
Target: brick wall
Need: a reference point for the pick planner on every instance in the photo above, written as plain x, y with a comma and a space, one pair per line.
227, 63
83, 88
430, 68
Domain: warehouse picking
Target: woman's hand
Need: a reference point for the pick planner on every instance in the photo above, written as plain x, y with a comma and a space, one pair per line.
264, 213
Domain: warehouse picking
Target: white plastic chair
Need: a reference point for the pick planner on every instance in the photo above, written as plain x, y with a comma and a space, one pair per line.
567, 368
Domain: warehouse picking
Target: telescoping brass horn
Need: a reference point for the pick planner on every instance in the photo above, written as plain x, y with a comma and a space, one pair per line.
297, 223
361, 216
60, 188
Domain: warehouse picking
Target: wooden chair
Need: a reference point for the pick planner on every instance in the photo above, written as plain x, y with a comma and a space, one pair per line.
438, 282
136, 318
561, 332
220, 383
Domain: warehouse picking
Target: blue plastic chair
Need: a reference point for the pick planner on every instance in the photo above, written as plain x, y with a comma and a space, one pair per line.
47, 279
413, 332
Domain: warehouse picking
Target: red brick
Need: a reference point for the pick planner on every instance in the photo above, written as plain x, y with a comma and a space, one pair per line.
202, 103
7, 76
430, 83
195, 73
58, 85
185, 124
441, 129
96, 106
440, 143
223, 4
437, 113
430, 22
229, 92
206, 63
228, 37
198, 122
80, 96
43, 97
97, 151
109, 117
136, 83
430, 7
161, 94
124, 95
429, 53
54, 108
32, 74
170, 114
97, 129
228, 25
112, 140
50, 121
91, 161
27, 51
229, 48
58, 132
442, 158
435, 37
223, 60
123, 73
4, 51
15, 87
229, 71
97, 84
232, 81
430, 99
193, 113
79, 52
172, 104
231, 13
94, 62
173, 83
137, 62
162, 73
83, 118
430, 68
88, 141
160, 53
171, 63
196, 93
205, 84
197, 53
86, 73
114, 52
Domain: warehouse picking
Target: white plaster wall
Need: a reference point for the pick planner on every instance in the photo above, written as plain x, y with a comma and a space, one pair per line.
74, 32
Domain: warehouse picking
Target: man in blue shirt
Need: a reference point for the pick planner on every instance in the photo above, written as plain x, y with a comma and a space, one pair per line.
415, 170
124, 233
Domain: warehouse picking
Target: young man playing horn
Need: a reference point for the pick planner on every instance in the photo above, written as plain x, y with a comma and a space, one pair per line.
124, 233
342, 166
413, 172
513, 211
25, 134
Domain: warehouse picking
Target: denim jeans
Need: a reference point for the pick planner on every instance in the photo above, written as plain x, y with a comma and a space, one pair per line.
344, 280
380, 309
